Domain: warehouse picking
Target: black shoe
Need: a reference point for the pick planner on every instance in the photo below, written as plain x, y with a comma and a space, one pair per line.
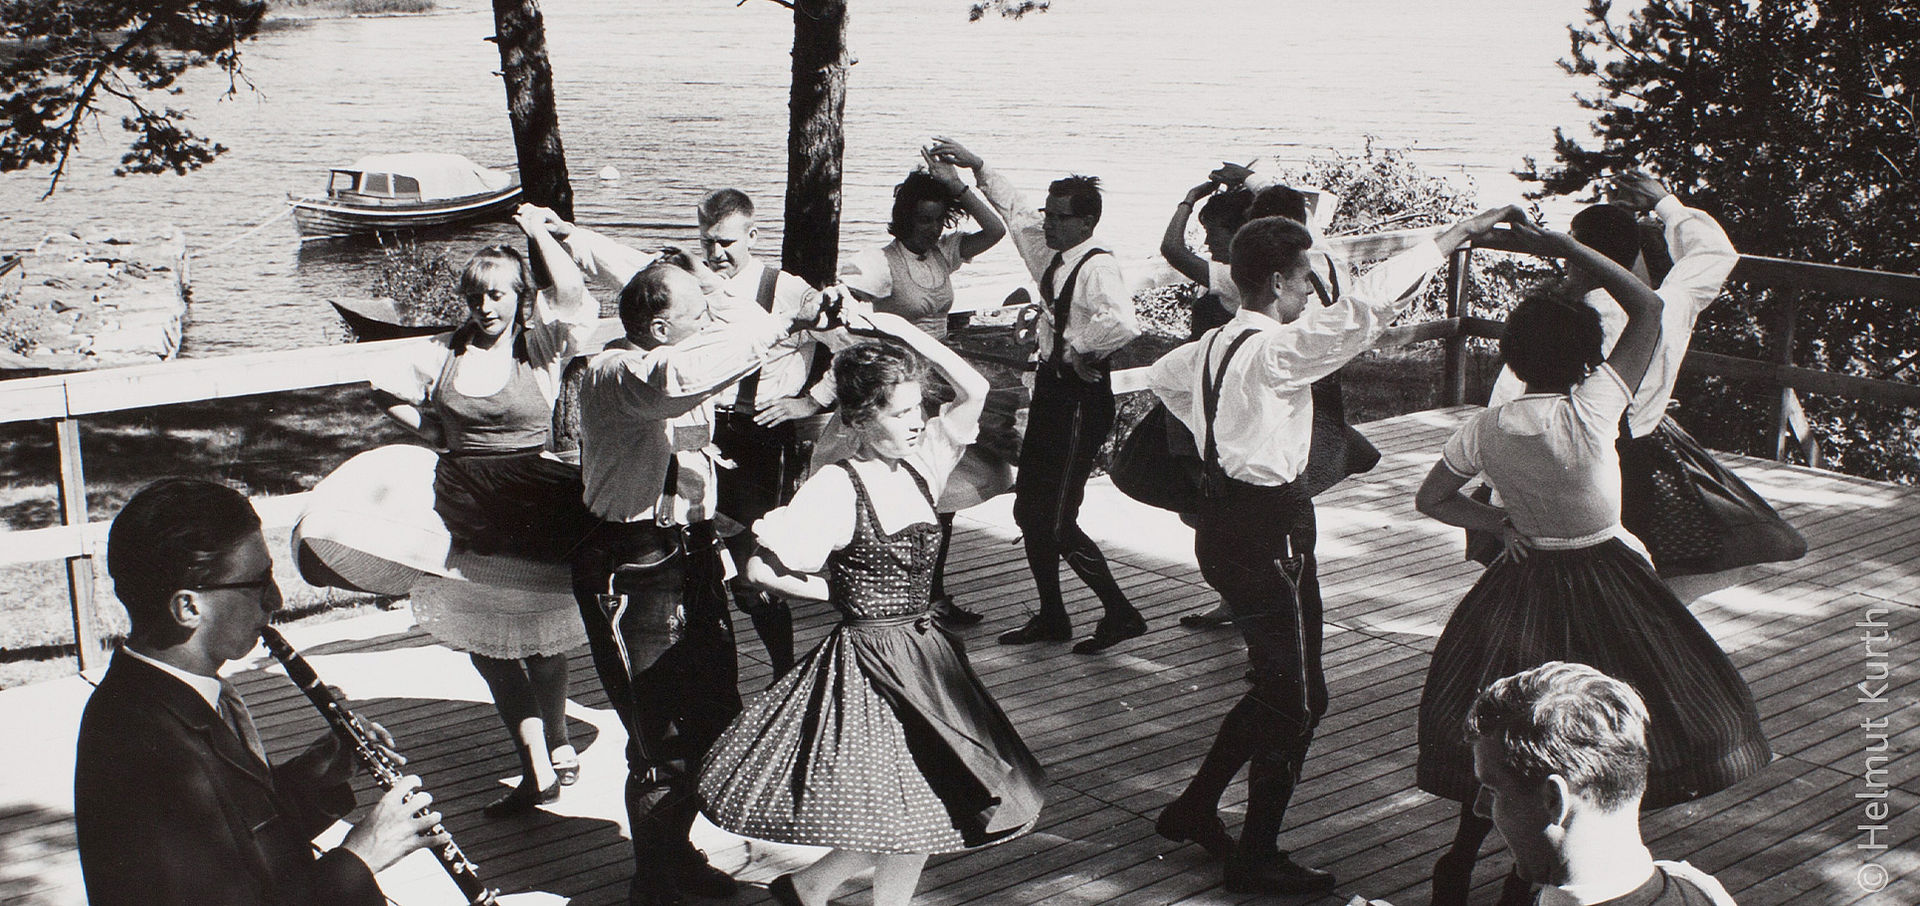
653, 892
694, 875
1110, 633
1038, 629
521, 800
782, 890
1208, 619
1277, 875
953, 614
1181, 825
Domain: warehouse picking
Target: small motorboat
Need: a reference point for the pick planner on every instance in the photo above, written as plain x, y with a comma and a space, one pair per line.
392, 192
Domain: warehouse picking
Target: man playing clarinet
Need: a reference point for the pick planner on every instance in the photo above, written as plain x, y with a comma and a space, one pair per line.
174, 798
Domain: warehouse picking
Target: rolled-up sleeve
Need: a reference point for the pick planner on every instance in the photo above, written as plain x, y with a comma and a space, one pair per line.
1103, 319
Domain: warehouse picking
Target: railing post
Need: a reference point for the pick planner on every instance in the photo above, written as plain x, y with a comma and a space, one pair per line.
1786, 404
1453, 389
92, 649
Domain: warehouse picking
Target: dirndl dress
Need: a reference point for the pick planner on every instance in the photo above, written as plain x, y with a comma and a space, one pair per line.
1693, 514
882, 739
1603, 606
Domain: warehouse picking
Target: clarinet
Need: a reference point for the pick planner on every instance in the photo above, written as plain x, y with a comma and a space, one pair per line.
368, 752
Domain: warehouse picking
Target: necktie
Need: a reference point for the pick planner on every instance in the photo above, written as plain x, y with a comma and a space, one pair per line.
1054, 310
234, 711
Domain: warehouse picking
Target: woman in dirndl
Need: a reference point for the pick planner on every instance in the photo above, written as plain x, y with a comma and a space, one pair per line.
1570, 583
882, 743
485, 393
912, 277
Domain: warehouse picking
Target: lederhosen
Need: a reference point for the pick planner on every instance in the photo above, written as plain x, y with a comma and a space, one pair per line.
653, 598
768, 463
1068, 421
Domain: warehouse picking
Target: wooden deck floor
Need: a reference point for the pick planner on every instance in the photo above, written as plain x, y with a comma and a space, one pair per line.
1121, 733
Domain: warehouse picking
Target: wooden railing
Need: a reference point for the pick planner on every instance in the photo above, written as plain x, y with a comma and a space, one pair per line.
66, 398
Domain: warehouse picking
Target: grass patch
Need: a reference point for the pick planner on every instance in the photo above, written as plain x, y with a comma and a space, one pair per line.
278, 443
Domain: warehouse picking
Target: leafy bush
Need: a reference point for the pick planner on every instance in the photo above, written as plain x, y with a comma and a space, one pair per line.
1792, 122
424, 286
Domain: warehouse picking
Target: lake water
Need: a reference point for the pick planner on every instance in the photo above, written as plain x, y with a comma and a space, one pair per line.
684, 95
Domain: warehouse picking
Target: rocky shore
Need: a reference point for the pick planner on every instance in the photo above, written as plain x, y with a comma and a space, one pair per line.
100, 300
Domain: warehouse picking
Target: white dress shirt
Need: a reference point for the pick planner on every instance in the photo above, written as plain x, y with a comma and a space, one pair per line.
608, 265
643, 409
1703, 256
1265, 418
1100, 316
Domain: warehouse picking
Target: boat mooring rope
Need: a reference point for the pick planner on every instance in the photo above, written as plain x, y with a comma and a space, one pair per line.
284, 211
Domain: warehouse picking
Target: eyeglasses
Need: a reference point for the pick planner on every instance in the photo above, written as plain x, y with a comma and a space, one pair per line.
264, 583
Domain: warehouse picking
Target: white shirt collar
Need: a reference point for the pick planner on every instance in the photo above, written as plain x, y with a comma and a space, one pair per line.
1255, 319
1068, 257
207, 686
746, 279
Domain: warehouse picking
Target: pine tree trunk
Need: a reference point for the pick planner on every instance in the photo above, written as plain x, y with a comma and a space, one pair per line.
522, 37
816, 140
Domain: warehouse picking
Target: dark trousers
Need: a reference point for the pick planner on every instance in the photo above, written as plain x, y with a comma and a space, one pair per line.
769, 466
654, 601
1069, 420
1255, 547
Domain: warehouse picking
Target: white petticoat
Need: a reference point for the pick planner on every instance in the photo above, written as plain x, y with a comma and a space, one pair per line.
497, 622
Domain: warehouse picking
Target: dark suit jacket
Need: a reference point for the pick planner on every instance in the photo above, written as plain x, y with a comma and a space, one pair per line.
171, 807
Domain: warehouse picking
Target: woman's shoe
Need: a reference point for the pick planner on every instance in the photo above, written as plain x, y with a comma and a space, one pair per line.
566, 765
521, 800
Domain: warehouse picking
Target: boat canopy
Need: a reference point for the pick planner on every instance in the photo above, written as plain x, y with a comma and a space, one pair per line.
438, 174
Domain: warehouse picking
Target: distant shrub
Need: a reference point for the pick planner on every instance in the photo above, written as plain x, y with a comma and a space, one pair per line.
423, 285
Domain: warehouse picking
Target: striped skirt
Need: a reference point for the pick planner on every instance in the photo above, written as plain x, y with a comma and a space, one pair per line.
1604, 607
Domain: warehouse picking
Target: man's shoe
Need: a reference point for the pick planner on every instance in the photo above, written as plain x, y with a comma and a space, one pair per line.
694, 875
1110, 633
1183, 825
1277, 874
1038, 629
653, 892
782, 890
953, 614
1210, 619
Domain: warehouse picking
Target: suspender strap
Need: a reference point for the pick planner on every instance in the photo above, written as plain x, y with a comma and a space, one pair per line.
1210, 395
750, 385
1061, 305
1320, 289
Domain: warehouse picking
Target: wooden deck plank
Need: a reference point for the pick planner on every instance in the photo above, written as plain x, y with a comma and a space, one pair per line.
1122, 732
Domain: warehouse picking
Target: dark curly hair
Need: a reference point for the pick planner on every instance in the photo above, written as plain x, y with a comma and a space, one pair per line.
920, 186
865, 375
1227, 210
1553, 338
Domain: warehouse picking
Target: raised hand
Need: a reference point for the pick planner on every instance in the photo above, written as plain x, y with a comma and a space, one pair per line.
952, 152
1636, 190
533, 217
1230, 174
944, 171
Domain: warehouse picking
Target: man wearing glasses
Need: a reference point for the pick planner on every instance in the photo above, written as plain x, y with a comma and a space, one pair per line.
1087, 315
174, 799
